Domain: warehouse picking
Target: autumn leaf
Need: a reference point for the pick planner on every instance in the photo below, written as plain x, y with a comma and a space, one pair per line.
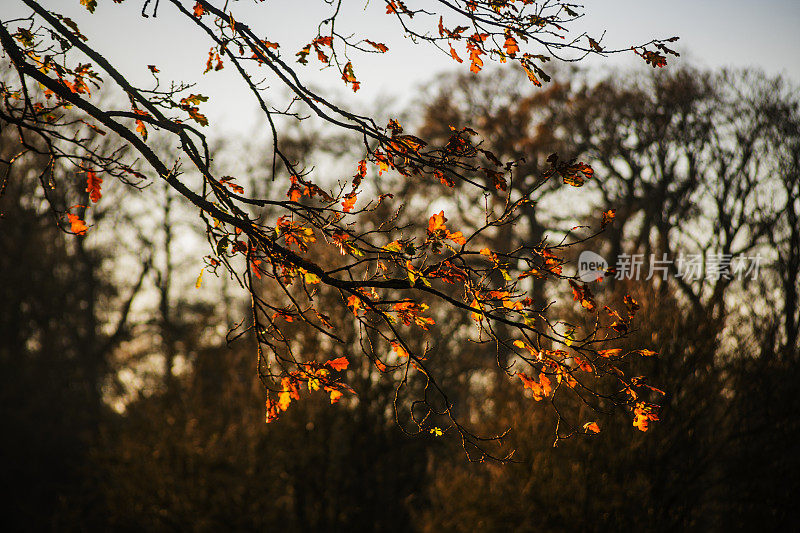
393, 246
302, 55
436, 223
354, 303
189, 104
198, 10
410, 313
511, 46
576, 174
475, 48
91, 5
255, 268
527, 382
631, 304
476, 63
349, 76
77, 226
199, 281
25, 36
335, 395
349, 202
228, 181
457, 238
272, 411
197, 117
194, 99
310, 278
643, 415
591, 427
540, 390
213, 55
583, 365
378, 46
594, 45
655, 60
582, 294
399, 350
295, 193
608, 217
93, 182
289, 393
140, 128
454, 55
338, 364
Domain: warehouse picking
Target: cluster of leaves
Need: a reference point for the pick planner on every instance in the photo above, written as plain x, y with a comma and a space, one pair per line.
382, 273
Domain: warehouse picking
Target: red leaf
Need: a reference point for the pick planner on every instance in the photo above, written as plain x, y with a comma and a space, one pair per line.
378, 46
93, 182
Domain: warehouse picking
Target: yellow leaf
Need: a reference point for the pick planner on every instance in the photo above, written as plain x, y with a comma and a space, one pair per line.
335, 395
310, 277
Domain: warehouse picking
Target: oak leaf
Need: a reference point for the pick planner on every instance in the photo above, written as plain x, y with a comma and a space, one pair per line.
77, 226
338, 364
93, 183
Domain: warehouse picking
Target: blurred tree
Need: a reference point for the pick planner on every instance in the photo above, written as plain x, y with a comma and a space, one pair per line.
60, 319
692, 163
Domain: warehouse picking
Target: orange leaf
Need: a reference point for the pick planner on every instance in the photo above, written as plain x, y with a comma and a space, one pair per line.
457, 238
591, 427
93, 182
349, 202
399, 350
643, 415
354, 303
198, 10
455, 55
583, 365
338, 364
476, 65
378, 46
511, 46
608, 217
335, 395
436, 222
255, 268
77, 226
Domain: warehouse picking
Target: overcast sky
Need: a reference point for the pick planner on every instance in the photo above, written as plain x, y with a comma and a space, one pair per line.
712, 33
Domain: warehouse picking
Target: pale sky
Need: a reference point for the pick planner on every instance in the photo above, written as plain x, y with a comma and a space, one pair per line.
712, 33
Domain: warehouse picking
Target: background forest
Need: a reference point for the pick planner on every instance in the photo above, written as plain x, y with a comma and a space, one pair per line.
124, 406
